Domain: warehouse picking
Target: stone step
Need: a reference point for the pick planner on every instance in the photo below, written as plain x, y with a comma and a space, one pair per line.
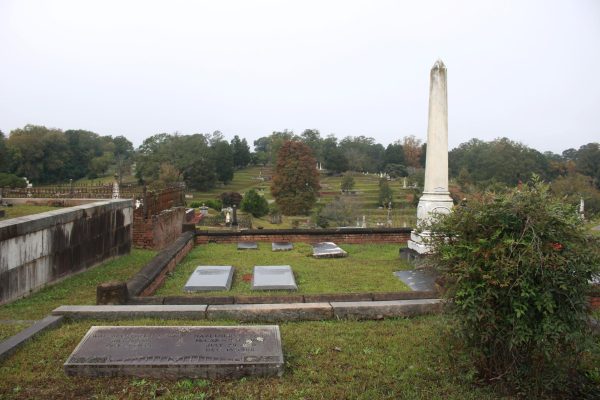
8, 346
260, 312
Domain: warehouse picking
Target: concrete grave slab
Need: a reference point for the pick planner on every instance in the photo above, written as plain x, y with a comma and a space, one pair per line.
418, 279
273, 277
281, 246
210, 277
247, 246
174, 352
328, 250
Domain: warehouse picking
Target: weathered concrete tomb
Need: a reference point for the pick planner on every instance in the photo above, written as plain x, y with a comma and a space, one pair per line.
282, 246
215, 277
328, 250
273, 277
247, 246
39, 249
178, 352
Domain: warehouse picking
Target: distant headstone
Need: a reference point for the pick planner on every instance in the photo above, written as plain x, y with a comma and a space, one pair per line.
213, 277
273, 277
328, 250
174, 352
247, 246
281, 246
204, 210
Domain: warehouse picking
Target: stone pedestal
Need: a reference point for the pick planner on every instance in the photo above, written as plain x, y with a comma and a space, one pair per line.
436, 197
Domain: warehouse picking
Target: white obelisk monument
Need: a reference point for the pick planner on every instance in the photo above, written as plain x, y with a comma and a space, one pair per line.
436, 197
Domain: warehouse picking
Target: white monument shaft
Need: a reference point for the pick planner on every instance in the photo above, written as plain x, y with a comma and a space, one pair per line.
436, 197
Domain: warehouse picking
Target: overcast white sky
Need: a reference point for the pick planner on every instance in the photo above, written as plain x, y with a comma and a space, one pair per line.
528, 70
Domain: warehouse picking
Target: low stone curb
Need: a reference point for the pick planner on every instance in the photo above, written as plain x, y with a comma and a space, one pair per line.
11, 344
259, 312
282, 299
272, 312
133, 311
385, 309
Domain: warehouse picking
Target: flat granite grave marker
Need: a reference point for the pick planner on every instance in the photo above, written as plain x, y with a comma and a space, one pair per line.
418, 279
281, 246
247, 246
273, 277
213, 277
328, 250
178, 352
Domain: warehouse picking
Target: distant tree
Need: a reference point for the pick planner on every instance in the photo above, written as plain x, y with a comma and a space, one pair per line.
412, 151
224, 160
342, 211
5, 159
254, 204
588, 162
11, 181
168, 174
395, 170
574, 187
333, 157
230, 199
363, 153
295, 184
386, 195
241, 152
394, 153
312, 138
347, 183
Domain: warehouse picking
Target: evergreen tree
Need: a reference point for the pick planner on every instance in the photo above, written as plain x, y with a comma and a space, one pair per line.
296, 181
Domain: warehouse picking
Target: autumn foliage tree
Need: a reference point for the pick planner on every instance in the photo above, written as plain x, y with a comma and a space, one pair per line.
296, 179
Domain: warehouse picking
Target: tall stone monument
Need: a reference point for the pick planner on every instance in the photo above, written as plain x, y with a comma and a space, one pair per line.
436, 197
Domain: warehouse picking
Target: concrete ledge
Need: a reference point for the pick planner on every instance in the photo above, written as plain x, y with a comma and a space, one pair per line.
318, 298
11, 344
199, 300
133, 311
279, 299
272, 312
384, 309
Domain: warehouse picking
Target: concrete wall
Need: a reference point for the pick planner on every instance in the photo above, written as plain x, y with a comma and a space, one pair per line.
39, 249
351, 235
158, 231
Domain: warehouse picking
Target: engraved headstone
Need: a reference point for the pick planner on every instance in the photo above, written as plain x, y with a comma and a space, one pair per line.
273, 277
214, 277
328, 250
281, 246
247, 246
178, 352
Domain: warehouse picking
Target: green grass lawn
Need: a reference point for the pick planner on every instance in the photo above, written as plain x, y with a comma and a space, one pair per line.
390, 359
77, 289
22, 210
368, 268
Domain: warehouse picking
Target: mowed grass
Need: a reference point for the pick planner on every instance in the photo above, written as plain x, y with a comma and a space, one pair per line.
77, 289
368, 268
22, 210
388, 359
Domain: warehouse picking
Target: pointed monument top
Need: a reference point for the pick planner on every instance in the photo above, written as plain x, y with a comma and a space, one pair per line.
439, 64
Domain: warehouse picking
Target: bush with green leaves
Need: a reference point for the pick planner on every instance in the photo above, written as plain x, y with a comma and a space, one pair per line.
517, 267
254, 204
11, 181
347, 182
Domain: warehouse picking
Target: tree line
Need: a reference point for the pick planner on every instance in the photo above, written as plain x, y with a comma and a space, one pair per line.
202, 161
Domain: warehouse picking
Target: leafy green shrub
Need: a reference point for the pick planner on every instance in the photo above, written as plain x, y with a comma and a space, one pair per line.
196, 204
254, 204
517, 266
11, 181
229, 199
215, 204
347, 182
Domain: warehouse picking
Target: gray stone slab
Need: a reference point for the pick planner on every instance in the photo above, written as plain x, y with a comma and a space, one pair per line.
178, 352
328, 250
191, 311
247, 246
385, 309
271, 312
11, 344
418, 279
210, 277
273, 277
281, 246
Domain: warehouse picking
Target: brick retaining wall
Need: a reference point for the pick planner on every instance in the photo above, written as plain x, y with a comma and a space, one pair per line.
348, 236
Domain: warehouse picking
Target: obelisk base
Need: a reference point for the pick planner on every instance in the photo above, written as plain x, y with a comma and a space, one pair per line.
430, 205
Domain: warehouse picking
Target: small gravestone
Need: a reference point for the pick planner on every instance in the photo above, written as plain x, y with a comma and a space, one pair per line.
328, 250
214, 277
281, 246
418, 279
273, 277
174, 352
247, 246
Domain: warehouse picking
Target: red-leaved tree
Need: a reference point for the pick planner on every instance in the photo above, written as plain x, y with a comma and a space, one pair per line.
295, 184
